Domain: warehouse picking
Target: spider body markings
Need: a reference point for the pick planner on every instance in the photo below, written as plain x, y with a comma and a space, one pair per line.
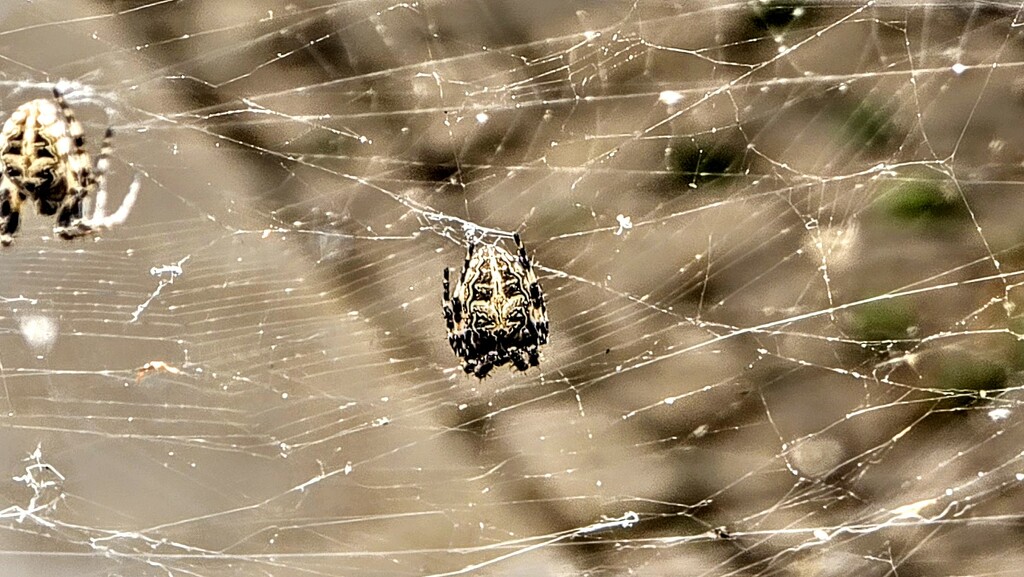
43, 156
495, 313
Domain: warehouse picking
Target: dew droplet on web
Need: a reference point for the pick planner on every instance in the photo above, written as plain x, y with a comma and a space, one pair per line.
39, 332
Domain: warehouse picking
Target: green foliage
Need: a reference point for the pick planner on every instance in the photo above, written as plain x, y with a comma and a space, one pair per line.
868, 126
884, 320
922, 201
964, 371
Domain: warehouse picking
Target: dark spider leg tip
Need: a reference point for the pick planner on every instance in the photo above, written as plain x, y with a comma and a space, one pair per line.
519, 362
482, 370
534, 355
519, 244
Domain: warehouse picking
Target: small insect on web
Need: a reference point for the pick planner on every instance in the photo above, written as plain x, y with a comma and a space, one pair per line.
495, 313
42, 150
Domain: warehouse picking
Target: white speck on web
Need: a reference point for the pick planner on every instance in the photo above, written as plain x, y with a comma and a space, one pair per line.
999, 414
40, 332
625, 223
670, 97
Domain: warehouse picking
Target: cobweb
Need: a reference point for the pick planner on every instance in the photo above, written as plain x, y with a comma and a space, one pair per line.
781, 245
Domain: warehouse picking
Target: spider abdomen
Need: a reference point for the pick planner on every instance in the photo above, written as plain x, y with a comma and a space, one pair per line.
30, 139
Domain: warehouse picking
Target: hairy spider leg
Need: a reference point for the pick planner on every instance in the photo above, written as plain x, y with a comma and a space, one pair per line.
519, 362
540, 329
449, 314
102, 164
79, 175
10, 210
465, 263
534, 355
99, 217
452, 315
524, 261
457, 339
482, 369
12, 194
455, 302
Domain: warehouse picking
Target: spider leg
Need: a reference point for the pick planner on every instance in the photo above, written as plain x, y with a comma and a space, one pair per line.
524, 260
482, 369
71, 221
78, 174
121, 214
79, 178
69, 215
449, 314
100, 218
539, 327
10, 210
102, 164
457, 306
534, 355
469, 255
519, 362
458, 343
453, 304
536, 298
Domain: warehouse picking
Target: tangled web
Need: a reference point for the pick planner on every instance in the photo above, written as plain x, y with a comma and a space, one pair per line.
780, 244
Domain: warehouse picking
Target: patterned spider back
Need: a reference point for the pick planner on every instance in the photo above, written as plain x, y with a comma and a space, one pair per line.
495, 288
34, 140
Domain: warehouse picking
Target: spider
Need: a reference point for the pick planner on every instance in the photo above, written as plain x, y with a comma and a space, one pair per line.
43, 155
495, 314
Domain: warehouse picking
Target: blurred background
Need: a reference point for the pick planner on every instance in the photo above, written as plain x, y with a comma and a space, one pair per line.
780, 243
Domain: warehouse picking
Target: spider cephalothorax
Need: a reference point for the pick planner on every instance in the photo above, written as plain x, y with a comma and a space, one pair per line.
495, 313
42, 152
